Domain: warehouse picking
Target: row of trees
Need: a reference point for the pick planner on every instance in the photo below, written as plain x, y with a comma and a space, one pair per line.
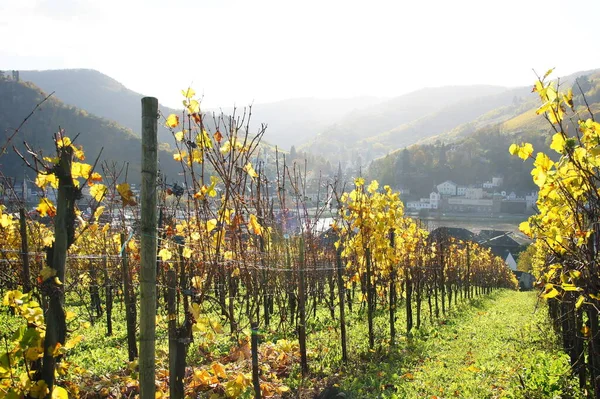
566, 229
231, 243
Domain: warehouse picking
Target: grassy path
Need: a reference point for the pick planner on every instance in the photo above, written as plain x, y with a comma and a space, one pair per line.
497, 348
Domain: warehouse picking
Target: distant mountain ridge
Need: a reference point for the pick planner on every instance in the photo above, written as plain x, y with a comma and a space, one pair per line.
98, 94
293, 121
360, 131
290, 122
348, 130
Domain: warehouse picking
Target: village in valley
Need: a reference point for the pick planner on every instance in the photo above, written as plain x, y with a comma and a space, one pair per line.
487, 198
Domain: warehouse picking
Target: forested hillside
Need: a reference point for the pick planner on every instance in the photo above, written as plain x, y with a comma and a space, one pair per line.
18, 99
472, 155
98, 94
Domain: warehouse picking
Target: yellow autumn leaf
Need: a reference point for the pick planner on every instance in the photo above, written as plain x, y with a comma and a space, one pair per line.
165, 254
5, 220
63, 142
525, 228
98, 191
180, 155
78, 152
73, 342
551, 293
219, 370
179, 136
47, 272
53, 160
558, 143
250, 170
126, 194
525, 151
189, 93
39, 390
46, 208
254, 226
543, 162
98, 212
172, 121
197, 282
187, 253
204, 377
211, 224
225, 147
96, 177
43, 179
373, 187
79, 169
59, 393
193, 107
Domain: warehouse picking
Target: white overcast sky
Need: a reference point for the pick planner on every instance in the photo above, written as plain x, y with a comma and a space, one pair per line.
262, 50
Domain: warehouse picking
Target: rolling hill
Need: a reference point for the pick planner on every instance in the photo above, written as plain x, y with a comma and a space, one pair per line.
290, 122
98, 94
18, 99
473, 152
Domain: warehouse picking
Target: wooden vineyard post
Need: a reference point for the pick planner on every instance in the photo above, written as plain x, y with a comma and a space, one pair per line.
254, 348
129, 298
109, 297
175, 380
302, 310
393, 296
24, 251
148, 248
342, 296
468, 272
64, 235
370, 299
442, 279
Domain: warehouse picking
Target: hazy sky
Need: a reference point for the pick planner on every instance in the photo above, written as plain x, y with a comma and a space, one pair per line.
262, 51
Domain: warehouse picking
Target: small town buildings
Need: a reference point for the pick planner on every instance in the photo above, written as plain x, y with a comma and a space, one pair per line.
433, 202
474, 193
447, 188
463, 204
531, 200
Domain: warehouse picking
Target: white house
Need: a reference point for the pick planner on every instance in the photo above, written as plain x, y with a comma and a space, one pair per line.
531, 200
510, 262
497, 181
423, 203
447, 188
461, 190
433, 202
474, 193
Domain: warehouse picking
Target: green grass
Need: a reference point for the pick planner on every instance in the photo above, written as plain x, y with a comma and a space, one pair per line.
490, 347
498, 348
